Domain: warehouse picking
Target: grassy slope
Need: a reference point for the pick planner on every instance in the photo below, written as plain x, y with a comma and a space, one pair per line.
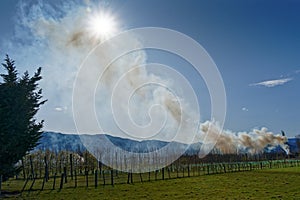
281, 183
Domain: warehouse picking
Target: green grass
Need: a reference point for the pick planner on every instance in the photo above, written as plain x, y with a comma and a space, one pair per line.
281, 183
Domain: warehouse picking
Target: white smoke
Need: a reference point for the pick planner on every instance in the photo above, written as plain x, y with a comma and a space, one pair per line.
254, 142
56, 37
59, 39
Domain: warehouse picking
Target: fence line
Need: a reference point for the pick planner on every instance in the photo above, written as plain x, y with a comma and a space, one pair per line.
101, 178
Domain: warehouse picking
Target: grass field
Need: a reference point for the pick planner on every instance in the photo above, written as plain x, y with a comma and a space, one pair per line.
281, 183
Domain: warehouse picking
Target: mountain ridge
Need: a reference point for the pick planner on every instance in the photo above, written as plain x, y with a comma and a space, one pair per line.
56, 141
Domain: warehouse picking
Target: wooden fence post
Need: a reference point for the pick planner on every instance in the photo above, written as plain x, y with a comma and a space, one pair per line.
96, 178
141, 178
31, 166
54, 179
103, 175
71, 165
44, 179
61, 181
86, 177
40, 167
128, 178
75, 178
65, 174
100, 166
46, 169
112, 177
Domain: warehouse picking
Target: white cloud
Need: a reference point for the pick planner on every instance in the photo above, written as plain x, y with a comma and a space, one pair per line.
245, 109
272, 83
59, 109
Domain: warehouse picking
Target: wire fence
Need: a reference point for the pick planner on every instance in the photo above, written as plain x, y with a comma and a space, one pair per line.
47, 171
111, 177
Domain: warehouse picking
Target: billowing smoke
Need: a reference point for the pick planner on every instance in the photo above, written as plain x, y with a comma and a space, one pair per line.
254, 142
57, 37
60, 39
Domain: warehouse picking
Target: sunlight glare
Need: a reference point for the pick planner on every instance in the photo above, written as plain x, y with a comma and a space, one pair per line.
102, 25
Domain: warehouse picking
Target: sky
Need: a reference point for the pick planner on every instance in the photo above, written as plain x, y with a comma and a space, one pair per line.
254, 44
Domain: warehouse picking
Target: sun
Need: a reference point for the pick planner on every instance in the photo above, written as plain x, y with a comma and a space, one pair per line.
102, 25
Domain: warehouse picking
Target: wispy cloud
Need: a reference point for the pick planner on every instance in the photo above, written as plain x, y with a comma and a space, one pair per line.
60, 109
272, 83
245, 109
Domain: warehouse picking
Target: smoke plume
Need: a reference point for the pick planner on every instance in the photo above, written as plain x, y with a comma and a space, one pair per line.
254, 142
57, 38
61, 41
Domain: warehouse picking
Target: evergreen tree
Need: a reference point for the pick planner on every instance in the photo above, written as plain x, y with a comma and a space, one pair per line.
20, 99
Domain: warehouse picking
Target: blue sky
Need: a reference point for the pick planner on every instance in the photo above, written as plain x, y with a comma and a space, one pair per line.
255, 45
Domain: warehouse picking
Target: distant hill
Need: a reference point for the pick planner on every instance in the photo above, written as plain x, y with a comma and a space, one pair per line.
72, 142
58, 141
